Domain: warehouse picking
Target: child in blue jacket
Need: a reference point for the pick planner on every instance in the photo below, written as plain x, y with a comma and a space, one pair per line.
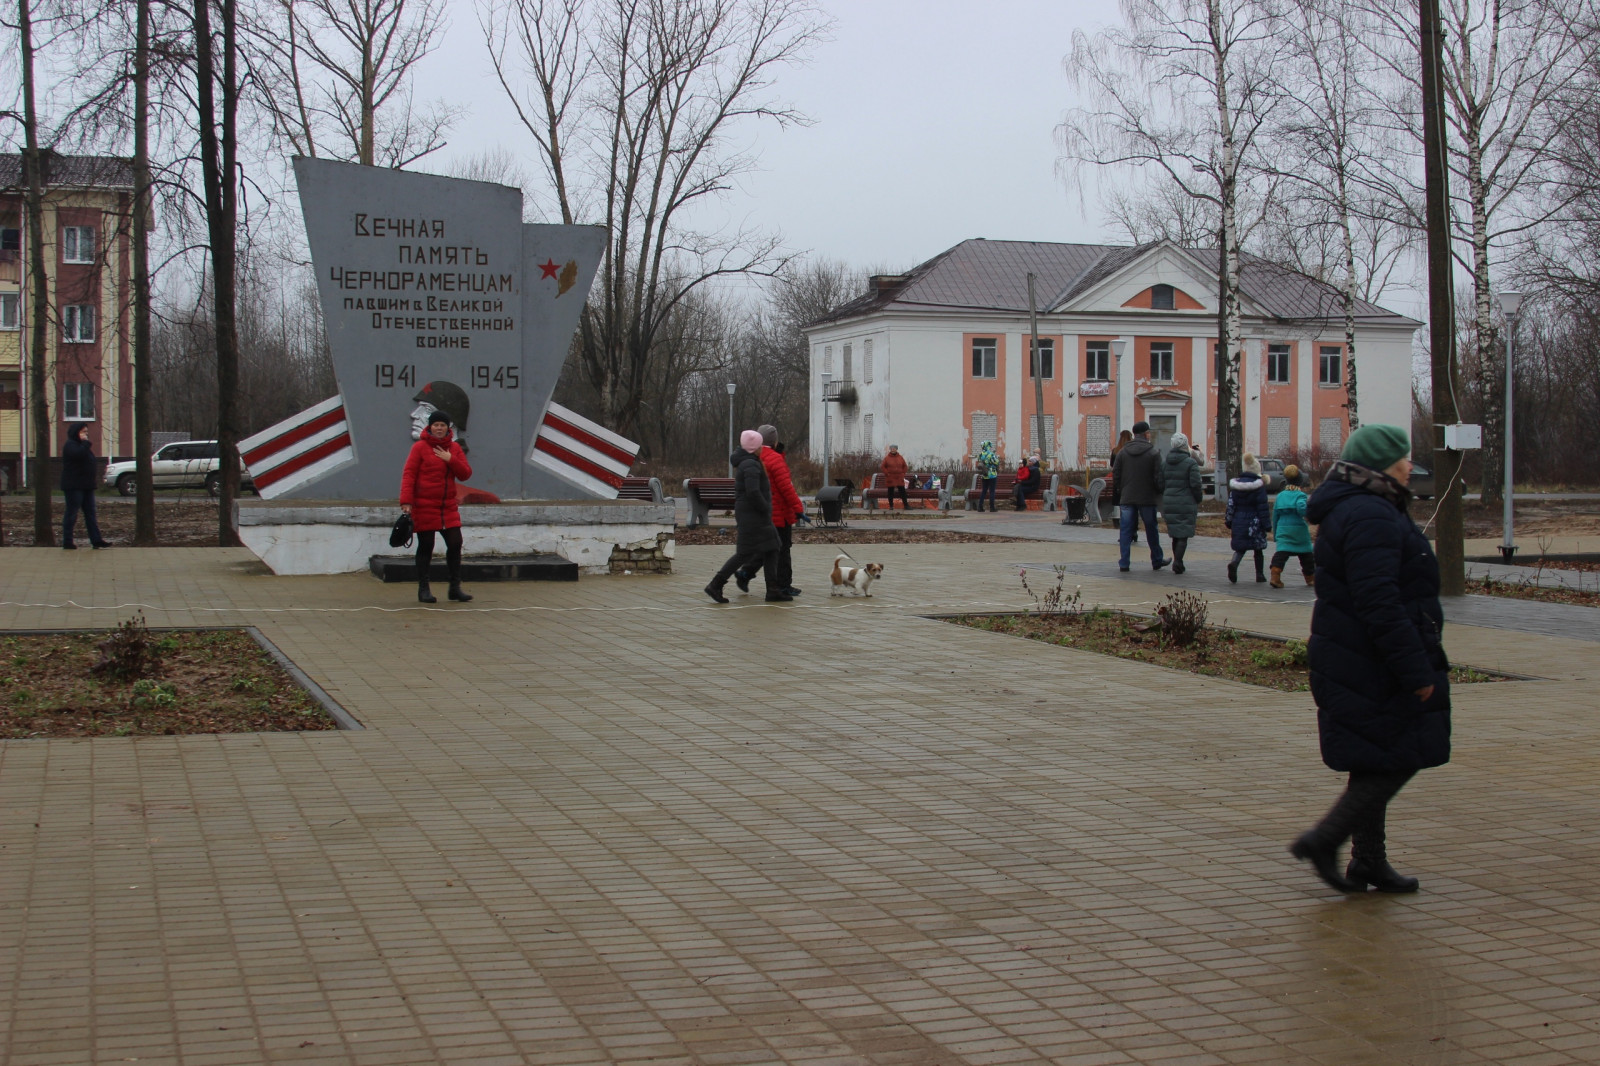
1290, 530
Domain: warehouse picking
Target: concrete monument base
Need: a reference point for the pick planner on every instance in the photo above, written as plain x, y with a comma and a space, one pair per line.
341, 536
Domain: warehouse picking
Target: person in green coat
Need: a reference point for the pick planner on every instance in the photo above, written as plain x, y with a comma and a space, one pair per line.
1290, 530
1180, 496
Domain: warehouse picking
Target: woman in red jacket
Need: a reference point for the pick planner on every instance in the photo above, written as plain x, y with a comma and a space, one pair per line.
428, 495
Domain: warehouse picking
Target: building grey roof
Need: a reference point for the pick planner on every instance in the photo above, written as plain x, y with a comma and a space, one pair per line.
983, 275
71, 171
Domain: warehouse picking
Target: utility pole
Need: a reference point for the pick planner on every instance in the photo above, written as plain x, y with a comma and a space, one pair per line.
144, 507
1448, 526
1036, 359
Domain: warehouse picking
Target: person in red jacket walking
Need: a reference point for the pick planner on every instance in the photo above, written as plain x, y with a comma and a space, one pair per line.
787, 507
428, 495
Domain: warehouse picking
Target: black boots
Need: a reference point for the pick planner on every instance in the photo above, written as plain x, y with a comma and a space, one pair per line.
425, 594
455, 592
1324, 860
1369, 865
715, 592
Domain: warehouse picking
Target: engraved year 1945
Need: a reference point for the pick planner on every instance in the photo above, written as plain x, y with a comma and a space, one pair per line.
499, 377
388, 375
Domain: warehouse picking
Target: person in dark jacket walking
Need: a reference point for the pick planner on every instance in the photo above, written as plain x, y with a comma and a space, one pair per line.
428, 494
79, 473
1181, 494
1136, 478
1249, 516
787, 509
1379, 674
757, 544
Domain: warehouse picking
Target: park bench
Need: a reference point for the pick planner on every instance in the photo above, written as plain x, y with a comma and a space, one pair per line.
707, 494
1049, 485
1100, 496
876, 491
647, 489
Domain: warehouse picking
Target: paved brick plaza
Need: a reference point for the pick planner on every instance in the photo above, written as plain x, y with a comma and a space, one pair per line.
612, 822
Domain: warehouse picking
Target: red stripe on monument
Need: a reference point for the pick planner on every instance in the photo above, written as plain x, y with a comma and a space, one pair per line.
294, 436
582, 436
303, 460
578, 462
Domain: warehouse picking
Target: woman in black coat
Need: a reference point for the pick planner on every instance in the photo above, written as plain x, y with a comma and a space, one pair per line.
758, 541
79, 474
1378, 669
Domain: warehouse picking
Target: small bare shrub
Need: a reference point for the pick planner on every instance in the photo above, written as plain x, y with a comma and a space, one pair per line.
128, 653
1183, 618
1055, 600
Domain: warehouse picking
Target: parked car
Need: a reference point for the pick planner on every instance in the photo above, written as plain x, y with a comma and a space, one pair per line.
1422, 486
1272, 474
186, 464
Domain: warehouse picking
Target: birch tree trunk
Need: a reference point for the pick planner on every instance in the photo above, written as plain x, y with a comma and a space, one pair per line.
144, 515
39, 313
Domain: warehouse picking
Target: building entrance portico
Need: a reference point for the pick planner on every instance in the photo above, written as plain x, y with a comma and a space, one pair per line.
1163, 409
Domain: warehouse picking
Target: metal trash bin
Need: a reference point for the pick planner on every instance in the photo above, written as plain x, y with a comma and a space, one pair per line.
1077, 509
831, 501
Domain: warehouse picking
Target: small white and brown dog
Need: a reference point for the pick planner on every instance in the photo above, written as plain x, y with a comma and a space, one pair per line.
859, 578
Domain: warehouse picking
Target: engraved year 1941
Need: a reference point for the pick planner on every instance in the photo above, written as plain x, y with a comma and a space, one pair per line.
388, 375
501, 377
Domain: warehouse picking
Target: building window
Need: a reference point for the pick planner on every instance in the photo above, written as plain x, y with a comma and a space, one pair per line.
866, 367
77, 244
10, 310
1097, 361
1046, 355
866, 428
1329, 360
983, 357
77, 401
1098, 436
1278, 430
984, 427
1161, 361
846, 366
849, 429
77, 323
10, 239
827, 359
1049, 432
1161, 298
1277, 364
1330, 435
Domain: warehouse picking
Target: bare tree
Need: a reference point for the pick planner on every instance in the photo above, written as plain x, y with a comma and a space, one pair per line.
39, 313
1506, 65
1182, 89
338, 78
632, 104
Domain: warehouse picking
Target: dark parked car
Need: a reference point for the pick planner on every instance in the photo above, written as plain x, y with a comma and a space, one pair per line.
1422, 486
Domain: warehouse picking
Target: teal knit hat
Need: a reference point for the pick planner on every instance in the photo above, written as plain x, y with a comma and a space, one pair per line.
1376, 447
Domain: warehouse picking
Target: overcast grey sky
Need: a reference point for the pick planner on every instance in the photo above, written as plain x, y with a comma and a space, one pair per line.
933, 122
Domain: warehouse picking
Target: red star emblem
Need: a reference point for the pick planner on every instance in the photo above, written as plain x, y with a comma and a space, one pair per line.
548, 269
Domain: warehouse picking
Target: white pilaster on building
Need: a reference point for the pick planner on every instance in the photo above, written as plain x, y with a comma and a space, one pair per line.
1305, 378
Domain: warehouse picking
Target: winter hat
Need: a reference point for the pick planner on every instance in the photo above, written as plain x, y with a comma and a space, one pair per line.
1376, 447
1251, 464
1179, 441
439, 416
769, 434
1140, 427
750, 440
1291, 474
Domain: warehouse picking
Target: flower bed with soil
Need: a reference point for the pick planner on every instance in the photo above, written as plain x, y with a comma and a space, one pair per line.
194, 681
1214, 652
1527, 590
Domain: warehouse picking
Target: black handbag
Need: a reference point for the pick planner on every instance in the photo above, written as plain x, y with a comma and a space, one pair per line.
400, 535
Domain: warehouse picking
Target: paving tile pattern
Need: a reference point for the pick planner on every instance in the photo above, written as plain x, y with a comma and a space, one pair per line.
612, 823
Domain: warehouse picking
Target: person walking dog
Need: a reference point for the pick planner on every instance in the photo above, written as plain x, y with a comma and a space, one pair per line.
757, 544
1289, 528
787, 508
428, 495
894, 469
1181, 493
1249, 516
1379, 674
1136, 478
79, 474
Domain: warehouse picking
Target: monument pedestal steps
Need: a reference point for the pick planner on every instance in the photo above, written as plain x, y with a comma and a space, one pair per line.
477, 568
345, 536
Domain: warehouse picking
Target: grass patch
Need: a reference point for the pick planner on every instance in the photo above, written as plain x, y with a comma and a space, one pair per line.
93, 684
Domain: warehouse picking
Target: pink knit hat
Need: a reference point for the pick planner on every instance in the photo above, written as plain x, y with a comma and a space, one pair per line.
750, 440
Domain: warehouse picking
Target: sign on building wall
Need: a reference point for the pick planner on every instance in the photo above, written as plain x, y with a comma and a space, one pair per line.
438, 297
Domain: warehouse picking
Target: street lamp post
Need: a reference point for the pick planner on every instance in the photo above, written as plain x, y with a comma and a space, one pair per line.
732, 444
1510, 307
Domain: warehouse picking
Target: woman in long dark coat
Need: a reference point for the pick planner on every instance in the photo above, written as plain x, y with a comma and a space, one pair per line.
1181, 494
1378, 669
758, 541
